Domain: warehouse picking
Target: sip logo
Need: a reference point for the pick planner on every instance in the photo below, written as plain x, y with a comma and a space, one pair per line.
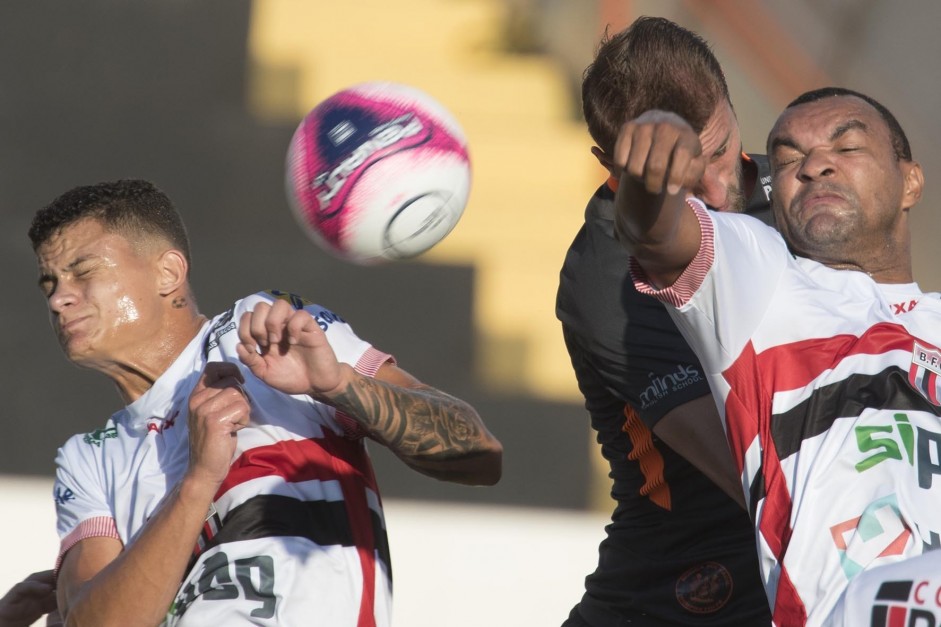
906, 604
902, 442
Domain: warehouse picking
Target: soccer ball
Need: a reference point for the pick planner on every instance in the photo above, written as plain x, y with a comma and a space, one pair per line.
378, 171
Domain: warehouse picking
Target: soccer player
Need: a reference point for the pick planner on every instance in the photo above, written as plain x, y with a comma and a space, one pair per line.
30, 600
234, 487
678, 551
825, 371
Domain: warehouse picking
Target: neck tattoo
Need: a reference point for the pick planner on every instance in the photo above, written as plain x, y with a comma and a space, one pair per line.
179, 302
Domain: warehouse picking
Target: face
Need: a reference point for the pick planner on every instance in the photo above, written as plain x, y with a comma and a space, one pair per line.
721, 184
101, 293
838, 186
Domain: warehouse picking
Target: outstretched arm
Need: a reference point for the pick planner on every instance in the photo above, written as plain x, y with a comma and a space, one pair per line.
659, 158
432, 432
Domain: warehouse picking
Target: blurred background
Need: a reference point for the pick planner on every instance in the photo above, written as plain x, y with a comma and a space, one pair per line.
202, 96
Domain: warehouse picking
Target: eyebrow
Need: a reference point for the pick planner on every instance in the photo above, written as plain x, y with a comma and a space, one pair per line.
46, 277
782, 142
839, 131
724, 146
843, 129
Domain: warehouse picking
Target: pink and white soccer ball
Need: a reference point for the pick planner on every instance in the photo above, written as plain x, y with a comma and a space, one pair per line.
377, 172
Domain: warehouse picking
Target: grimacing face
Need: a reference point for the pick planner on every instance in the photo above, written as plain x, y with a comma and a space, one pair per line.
839, 189
721, 186
101, 291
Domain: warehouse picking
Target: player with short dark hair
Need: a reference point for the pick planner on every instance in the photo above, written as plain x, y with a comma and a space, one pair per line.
678, 551
824, 363
235, 486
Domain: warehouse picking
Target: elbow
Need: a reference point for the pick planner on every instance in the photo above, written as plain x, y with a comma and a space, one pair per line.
491, 465
480, 466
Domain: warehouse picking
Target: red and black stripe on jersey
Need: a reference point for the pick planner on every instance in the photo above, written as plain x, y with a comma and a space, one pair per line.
794, 366
349, 522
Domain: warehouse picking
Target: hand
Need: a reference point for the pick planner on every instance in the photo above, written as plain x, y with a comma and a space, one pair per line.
218, 410
287, 349
660, 150
28, 600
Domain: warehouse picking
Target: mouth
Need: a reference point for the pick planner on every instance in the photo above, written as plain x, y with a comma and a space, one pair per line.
820, 198
68, 327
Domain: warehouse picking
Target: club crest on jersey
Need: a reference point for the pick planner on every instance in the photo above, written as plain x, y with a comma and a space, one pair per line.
924, 371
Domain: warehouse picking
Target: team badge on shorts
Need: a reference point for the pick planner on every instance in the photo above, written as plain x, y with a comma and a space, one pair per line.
704, 588
924, 371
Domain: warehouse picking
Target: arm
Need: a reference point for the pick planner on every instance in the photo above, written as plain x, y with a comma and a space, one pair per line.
694, 430
659, 157
432, 432
100, 583
29, 600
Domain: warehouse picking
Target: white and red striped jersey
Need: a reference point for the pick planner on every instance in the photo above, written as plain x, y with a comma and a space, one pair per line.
296, 534
828, 386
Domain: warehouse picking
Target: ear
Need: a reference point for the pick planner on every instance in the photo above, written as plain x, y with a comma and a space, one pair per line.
172, 270
603, 159
913, 184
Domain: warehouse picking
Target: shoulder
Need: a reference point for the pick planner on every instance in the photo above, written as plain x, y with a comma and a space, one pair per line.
90, 444
594, 280
742, 230
344, 341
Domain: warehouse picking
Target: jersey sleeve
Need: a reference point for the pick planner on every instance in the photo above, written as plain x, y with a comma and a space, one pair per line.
82, 507
348, 347
722, 296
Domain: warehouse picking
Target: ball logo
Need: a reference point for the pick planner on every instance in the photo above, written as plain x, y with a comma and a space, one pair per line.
378, 171
401, 133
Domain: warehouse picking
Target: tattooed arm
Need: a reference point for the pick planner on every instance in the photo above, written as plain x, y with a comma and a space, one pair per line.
432, 432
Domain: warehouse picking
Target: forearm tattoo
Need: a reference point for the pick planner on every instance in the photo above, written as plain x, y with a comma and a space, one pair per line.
415, 422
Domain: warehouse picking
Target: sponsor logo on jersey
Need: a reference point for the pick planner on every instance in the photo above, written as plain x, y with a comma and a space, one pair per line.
878, 532
98, 435
219, 328
766, 186
298, 302
704, 588
901, 442
63, 495
661, 387
904, 307
907, 604
159, 425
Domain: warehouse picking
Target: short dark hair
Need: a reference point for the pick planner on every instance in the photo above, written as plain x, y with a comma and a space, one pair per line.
652, 64
903, 150
132, 207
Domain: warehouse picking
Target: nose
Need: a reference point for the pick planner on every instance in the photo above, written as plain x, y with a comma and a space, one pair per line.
62, 296
816, 164
712, 189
